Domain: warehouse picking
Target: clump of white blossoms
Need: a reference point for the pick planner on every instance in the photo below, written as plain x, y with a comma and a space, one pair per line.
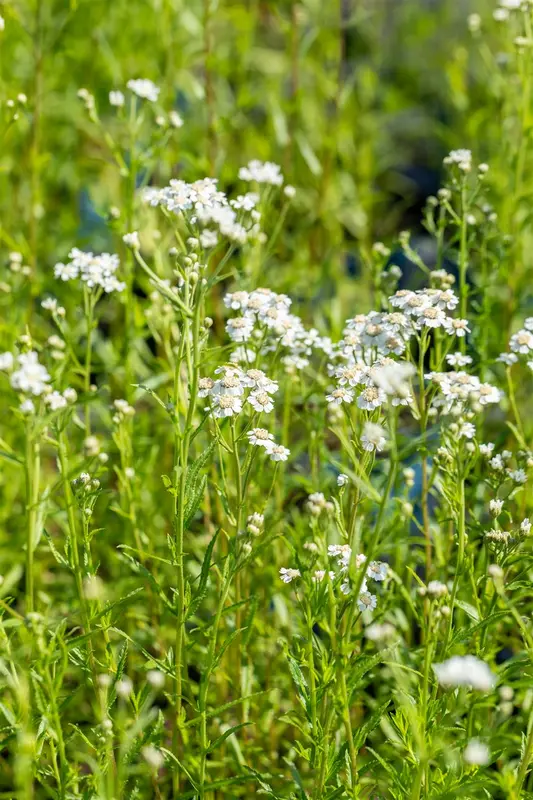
465, 671
96, 271
262, 172
29, 376
476, 753
144, 88
265, 317
235, 388
373, 438
204, 205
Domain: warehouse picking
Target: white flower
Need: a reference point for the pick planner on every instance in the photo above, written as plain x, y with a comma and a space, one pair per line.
486, 449
175, 119
261, 401
466, 431
339, 396
261, 437
226, 405
437, 589
367, 601
30, 376
55, 401
93, 270
144, 88
461, 158
205, 386
116, 98
377, 570
522, 342
373, 437
262, 172
458, 360
517, 475
279, 453
27, 406
393, 377
508, 359
132, 240
378, 632
525, 526
153, 757
240, 328
208, 239
6, 361
124, 687
459, 327
495, 507
342, 479
476, 753
287, 575
465, 671
371, 398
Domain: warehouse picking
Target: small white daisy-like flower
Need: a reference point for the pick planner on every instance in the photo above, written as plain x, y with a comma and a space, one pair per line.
517, 475
488, 394
30, 376
342, 479
279, 453
205, 387
240, 329
226, 405
466, 430
465, 671
508, 359
495, 507
261, 438
522, 342
55, 401
116, 98
373, 437
339, 396
371, 398
261, 401
287, 575
377, 570
437, 589
459, 327
27, 406
6, 361
132, 240
476, 753
367, 601
144, 88
486, 449
458, 360
525, 526
262, 172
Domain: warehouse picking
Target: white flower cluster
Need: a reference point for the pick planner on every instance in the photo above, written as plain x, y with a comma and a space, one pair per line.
262, 172
376, 571
427, 308
143, 88
462, 159
374, 384
96, 271
520, 344
265, 316
465, 671
232, 389
28, 375
459, 390
205, 205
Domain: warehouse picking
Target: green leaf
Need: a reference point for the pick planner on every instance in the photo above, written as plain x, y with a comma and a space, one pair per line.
225, 735
204, 574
